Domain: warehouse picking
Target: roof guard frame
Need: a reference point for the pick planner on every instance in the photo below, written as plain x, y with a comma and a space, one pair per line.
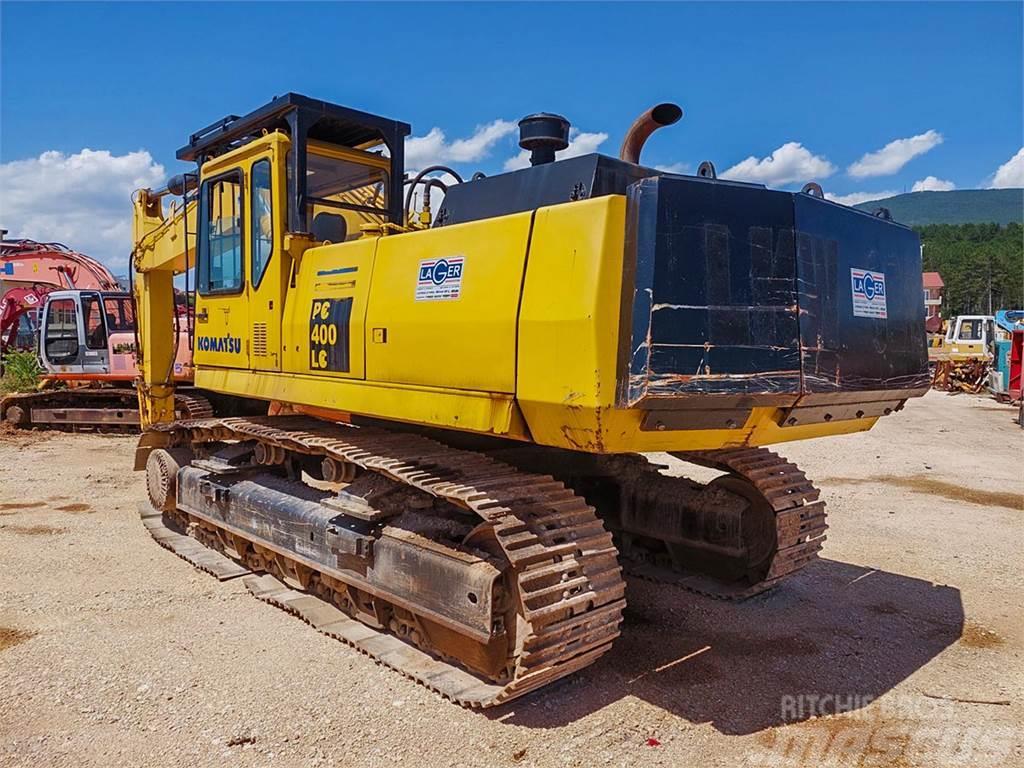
304, 118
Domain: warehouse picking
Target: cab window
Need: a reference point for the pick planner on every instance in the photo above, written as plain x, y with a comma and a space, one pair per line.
95, 331
61, 332
970, 330
261, 221
345, 188
220, 235
120, 315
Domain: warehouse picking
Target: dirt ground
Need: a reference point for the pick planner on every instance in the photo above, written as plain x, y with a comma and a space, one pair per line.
902, 646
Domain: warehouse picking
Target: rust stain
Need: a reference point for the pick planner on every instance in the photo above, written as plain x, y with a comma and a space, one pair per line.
935, 487
10, 637
16, 505
567, 433
78, 507
977, 636
33, 530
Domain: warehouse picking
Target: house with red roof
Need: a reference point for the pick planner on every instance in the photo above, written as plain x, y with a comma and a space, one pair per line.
933, 287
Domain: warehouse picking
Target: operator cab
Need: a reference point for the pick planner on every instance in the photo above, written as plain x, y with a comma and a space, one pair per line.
344, 166
83, 331
970, 335
294, 173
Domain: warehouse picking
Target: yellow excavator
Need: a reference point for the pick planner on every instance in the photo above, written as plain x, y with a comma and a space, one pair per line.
429, 429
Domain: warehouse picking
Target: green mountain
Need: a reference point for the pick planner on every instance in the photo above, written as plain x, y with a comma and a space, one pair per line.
961, 206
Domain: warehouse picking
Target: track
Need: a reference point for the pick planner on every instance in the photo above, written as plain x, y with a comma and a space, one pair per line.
568, 586
653, 515
122, 403
799, 518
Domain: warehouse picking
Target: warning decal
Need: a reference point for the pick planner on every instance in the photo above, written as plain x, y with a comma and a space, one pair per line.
440, 279
868, 293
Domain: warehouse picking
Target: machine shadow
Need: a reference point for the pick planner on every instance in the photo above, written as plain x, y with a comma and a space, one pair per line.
835, 629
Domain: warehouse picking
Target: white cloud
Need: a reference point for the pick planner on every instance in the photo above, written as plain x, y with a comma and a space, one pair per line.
932, 184
789, 163
1010, 173
894, 155
579, 144
434, 148
860, 197
81, 200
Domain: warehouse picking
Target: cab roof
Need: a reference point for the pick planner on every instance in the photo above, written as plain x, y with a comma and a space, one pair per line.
327, 122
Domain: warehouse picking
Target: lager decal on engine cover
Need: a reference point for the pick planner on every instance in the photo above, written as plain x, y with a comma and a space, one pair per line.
440, 279
868, 293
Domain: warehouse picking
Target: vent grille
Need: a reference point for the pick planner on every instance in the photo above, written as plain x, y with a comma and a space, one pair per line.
259, 339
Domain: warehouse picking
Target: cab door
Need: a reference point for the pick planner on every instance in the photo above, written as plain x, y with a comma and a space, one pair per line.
222, 316
95, 359
266, 273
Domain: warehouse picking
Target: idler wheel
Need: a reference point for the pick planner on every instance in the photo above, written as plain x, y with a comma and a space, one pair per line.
16, 415
162, 476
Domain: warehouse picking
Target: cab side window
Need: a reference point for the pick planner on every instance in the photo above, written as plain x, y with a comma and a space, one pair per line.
95, 332
220, 235
120, 314
261, 221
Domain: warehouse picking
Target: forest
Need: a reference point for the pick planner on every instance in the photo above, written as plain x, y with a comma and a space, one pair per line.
982, 265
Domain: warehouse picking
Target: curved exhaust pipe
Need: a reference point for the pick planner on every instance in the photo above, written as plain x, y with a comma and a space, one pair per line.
650, 121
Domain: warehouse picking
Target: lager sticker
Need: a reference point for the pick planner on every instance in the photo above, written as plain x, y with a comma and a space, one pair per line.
868, 293
440, 279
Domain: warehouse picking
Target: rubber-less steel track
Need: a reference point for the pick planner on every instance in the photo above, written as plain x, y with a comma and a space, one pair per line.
799, 518
567, 577
193, 406
112, 398
793, 530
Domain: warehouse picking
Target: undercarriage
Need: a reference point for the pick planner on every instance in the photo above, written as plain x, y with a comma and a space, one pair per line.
482, 574
98, 408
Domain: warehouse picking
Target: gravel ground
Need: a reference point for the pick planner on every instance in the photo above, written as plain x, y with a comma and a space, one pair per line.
902, 646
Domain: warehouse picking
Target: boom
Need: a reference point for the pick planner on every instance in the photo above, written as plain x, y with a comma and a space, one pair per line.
161, 250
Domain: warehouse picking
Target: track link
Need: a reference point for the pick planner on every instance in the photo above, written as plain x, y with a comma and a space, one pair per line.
193, 406
568, 581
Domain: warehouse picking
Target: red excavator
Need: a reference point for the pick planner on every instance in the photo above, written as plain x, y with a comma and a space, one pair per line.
70, 308
30, 270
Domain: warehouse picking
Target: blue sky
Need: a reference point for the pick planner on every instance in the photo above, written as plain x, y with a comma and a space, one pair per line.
781, 93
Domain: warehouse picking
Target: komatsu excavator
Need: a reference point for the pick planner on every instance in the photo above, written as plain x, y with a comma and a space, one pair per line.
449, 471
